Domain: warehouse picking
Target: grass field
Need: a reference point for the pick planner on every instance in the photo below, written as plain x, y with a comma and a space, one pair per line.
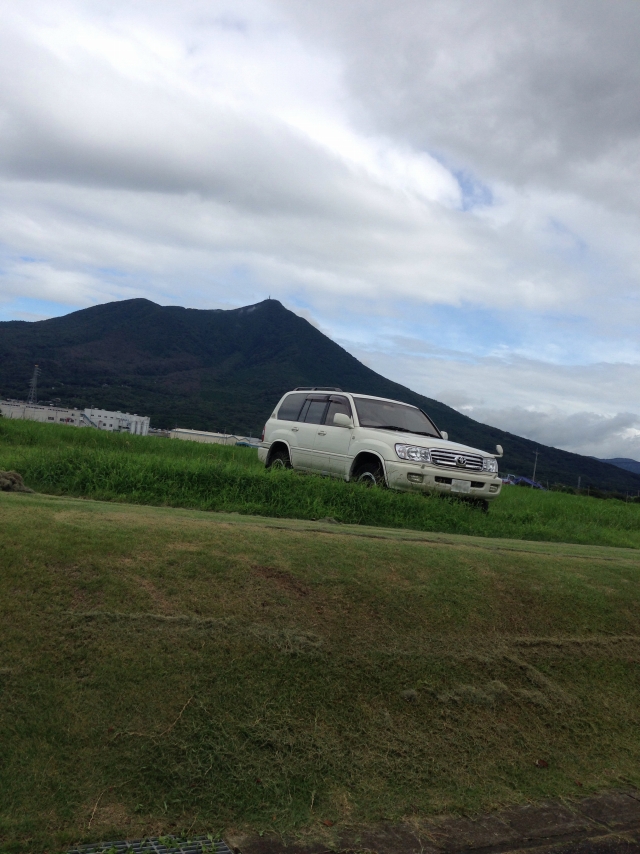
118, 467
167, 670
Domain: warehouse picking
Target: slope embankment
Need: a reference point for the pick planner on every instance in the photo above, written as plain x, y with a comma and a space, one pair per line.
174, 671
143, 470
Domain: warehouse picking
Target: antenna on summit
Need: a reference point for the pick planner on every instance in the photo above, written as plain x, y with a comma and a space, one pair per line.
33, 387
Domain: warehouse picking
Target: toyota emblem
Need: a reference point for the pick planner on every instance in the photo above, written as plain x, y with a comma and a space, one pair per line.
461, 461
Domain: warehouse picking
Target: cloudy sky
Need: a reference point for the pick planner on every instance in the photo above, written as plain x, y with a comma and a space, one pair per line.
449, 188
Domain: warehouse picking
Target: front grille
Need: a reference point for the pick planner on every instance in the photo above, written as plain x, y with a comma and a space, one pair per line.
453, 460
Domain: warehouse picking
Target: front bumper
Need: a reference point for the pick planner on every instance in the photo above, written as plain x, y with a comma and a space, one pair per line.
424, 477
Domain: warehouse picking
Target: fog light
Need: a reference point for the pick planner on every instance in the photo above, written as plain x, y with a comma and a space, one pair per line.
493, 488
415, 478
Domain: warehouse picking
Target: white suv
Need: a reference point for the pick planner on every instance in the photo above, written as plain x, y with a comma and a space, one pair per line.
376, 441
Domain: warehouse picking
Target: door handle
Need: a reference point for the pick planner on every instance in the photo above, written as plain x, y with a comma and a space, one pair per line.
294, 429
322, 432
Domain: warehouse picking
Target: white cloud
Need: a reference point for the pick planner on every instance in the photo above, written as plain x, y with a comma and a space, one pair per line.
367, 162
589, 433
587, 409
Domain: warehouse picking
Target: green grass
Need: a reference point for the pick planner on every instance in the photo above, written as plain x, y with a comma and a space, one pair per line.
118, 467
169, 671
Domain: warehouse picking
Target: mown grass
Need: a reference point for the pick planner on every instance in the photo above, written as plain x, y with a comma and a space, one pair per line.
123, 468
172, 671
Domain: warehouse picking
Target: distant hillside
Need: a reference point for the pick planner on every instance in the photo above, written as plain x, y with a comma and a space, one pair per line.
624, 463
225, 370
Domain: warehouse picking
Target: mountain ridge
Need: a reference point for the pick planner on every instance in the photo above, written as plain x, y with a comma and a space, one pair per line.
625, 463
224, 369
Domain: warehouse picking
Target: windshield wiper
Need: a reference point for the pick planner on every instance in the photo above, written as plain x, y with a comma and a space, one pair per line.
386, 427
402, 430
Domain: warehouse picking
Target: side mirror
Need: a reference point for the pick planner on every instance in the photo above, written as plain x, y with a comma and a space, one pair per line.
500, 452
342, 420
444, 434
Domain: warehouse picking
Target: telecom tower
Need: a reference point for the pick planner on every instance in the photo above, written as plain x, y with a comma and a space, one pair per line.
33, 387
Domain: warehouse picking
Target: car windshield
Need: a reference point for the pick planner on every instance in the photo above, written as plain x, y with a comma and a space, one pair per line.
386, 415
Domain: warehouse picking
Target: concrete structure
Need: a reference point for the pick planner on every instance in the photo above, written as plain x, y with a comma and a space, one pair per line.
211, 438
37, 412
118, 422
101, 419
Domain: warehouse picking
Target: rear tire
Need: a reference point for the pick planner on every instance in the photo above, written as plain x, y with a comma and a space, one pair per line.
280, 460
371, 474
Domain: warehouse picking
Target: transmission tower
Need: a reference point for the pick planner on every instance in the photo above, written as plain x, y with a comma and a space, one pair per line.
33, 386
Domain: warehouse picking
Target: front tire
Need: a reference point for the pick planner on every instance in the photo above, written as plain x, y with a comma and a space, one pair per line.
370, 474
280, 460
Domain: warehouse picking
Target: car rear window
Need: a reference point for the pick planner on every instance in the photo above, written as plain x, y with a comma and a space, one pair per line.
394, 416
291, 406
315, 411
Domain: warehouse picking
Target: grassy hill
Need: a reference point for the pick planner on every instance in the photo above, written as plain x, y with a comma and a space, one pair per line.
220, 370
174, 671
150, 470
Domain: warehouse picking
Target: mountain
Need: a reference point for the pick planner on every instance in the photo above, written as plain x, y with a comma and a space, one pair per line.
624, 463
225, 370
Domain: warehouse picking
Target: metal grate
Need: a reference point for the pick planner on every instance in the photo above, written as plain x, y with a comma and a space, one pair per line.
158, 845
456, 460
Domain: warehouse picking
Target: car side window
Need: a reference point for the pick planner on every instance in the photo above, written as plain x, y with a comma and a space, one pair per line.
337, 404
291, 406
315, 411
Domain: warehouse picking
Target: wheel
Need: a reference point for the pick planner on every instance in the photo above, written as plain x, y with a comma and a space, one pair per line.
280, 460
371, 474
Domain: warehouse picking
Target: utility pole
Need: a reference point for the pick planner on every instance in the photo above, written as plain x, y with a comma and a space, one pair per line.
33, 387
535, 466
579, 479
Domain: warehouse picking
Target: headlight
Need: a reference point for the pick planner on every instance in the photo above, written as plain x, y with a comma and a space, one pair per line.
490, 464
413, 453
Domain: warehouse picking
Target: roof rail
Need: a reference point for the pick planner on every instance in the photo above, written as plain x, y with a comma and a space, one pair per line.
317, 388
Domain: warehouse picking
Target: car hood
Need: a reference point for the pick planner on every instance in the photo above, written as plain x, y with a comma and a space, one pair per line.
430, 442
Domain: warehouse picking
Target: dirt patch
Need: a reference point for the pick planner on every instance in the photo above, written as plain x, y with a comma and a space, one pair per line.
157, 597
106, 816
591, 825
83, 600
284, 580
186, 547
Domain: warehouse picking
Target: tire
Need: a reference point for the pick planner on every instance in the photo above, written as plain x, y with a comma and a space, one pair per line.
280, 460
370, 473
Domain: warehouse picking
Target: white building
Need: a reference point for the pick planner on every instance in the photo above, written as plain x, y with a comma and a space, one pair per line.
118, 422
211, 438
203, 436
102, 419
36, 412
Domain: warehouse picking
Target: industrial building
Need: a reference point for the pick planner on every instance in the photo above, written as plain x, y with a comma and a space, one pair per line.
47, 414
211, 438
118, 422
101, 419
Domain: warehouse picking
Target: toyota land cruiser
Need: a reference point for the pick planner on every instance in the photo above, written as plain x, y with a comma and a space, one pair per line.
376, 441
